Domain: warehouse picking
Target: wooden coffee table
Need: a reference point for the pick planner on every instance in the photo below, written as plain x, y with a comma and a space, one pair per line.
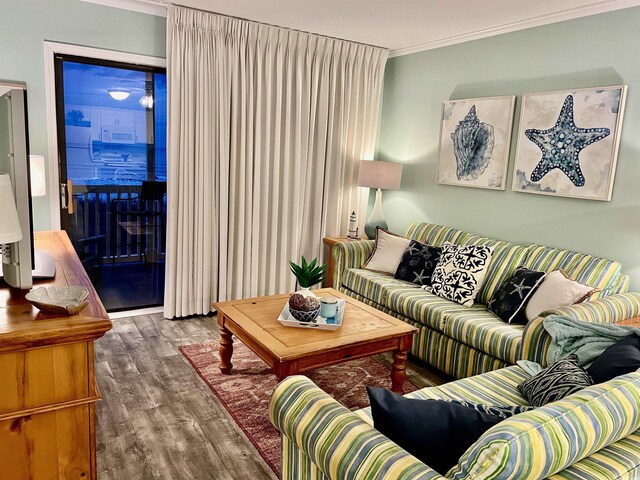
365, 331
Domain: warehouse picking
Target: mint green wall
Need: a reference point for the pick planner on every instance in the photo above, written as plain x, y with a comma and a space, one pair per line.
593, 51
25, 24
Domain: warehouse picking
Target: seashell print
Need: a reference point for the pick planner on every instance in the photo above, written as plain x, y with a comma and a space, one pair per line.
472, 146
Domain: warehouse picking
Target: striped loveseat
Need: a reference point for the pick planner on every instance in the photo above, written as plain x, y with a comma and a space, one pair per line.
590, 435
464, 341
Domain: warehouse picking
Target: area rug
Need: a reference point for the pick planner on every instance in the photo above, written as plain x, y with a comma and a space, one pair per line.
245, 393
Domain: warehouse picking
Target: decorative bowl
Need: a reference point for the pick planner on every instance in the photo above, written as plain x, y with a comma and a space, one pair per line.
59, 300
303, 316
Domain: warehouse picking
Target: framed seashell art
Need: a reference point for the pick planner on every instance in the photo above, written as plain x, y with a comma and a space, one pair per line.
568, 142
475, 136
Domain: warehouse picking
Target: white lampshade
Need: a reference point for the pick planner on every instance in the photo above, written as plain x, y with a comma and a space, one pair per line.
10, 231
38, 178
375, 174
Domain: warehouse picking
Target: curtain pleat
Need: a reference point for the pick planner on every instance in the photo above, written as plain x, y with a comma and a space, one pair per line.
266, 128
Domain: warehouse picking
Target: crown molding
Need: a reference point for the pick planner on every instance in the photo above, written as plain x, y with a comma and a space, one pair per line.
159, 8
150, 7
538, 21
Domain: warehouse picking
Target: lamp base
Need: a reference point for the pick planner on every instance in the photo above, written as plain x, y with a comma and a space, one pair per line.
376, 219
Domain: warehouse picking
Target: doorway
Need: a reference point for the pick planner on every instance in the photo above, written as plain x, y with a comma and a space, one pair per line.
111, 120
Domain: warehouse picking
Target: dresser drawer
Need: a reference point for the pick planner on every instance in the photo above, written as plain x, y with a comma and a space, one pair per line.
43, 376
53, 445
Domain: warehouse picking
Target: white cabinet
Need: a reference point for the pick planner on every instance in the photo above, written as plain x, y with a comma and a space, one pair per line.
141, 128
111, 119
117, 118
108, 118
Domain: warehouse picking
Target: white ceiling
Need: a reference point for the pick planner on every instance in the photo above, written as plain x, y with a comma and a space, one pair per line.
403, 26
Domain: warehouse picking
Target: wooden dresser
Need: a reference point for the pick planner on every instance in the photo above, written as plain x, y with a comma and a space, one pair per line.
47, 384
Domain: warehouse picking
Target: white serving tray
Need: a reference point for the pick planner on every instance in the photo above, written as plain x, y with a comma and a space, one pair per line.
321, 323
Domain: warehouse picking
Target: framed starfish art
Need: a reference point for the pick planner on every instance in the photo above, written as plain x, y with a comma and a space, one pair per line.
568, 142
475, 136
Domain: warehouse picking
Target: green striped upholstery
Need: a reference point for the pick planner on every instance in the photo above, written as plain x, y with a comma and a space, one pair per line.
621, 285
422, 307
295, 465
474, 326
338, 442
547, 440
432, 234
614, 308
464, 341
444, 353
587, 269
535, 342
451, 356
618, 460
591, 435
499, 387
375, 286
350, 254
505, 259
482, 330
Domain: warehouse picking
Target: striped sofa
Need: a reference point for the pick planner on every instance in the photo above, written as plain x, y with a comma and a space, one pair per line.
465, 341
590, 435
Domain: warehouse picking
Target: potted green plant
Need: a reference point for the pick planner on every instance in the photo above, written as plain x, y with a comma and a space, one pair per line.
308, 274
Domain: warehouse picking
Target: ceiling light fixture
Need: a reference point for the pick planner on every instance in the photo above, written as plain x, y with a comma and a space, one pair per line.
118, 93
146, 101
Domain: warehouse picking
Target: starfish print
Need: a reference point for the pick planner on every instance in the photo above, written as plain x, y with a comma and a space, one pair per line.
520, 289
562, 144
420, 277
413, 249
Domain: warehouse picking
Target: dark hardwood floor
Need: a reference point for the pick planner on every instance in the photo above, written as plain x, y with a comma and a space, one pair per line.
159, 420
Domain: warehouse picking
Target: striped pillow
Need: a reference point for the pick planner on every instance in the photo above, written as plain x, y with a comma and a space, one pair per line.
549, 439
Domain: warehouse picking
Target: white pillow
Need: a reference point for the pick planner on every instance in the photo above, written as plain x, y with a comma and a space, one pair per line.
557, 291
460, 272
387, 253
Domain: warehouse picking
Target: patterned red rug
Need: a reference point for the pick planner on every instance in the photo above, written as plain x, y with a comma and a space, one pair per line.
245, 393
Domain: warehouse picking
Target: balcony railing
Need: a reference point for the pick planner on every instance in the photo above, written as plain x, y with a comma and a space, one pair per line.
122, 227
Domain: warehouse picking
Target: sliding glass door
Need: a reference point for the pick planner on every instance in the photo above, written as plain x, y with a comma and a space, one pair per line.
111, 121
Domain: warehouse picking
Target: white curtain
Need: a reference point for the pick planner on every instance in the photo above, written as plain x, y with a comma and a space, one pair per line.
266, 129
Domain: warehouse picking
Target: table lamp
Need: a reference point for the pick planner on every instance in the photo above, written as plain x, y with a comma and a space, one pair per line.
10, 231
38, 179
375, 174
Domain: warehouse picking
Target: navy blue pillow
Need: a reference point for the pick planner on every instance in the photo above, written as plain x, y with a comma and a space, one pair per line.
436, 432
510, 300
418, 263
620, 358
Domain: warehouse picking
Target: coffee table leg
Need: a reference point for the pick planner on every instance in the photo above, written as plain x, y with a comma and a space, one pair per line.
226, 348
398, 371
283, 370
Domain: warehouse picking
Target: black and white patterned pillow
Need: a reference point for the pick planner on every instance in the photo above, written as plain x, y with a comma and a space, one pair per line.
563, 378
509, 300
418, 263
499, 411
460, 272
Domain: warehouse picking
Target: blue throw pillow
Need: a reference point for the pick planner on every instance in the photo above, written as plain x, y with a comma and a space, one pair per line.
436, 432
620, 358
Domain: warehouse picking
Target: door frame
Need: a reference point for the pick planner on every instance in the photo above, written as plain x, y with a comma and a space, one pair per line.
50, 50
